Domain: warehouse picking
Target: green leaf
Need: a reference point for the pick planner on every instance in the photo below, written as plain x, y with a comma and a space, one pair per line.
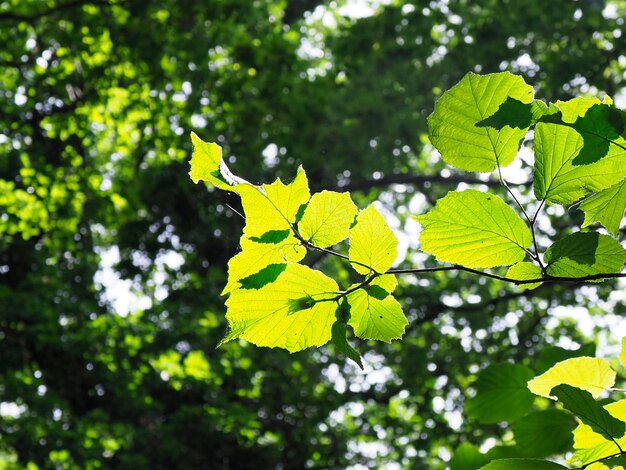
515, 113
374, 318
254, 257
550, 355
467, 457
453, 123
273, 236
600, 126
474, 229
525, 271
582, 404
606, 207
501, 394
268, 208
273, 207
622, 354
207, 165
373, 246
584, 254
523, 464
587, 373
543, 433
339, 334
591, 446
557, 179
265, 276
327, 218
293, 312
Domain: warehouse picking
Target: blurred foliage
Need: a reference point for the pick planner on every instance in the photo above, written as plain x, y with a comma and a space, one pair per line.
98, 98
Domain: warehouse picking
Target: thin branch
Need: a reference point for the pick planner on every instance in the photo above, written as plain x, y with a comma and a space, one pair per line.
599, 460
546, 278
420, 180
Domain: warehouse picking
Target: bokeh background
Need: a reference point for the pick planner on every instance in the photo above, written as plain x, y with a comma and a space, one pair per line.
112, 260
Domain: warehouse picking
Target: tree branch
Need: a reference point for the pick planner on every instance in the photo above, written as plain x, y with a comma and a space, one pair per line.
421, 180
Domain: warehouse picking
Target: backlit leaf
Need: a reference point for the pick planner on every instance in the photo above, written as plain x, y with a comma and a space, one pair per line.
584, 254
327, 218
268, 208
622, 354
501, 394
606, 207
588, 373
453, 123
289, 313
474, 229
525, 271
273, 206
581, 403
557, 178
591, 446
373, 246
256, 256
374, 318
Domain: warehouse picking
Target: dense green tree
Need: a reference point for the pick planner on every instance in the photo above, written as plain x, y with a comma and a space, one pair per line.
98, 98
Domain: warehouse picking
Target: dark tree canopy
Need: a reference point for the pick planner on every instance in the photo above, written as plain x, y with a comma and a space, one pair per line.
98, 99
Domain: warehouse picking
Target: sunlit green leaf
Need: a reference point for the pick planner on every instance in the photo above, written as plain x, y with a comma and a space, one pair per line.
584, 254
501, 394
373, 246
289, 313
588, 373
557, 178
273, 207
591, 446
606, 207
327, 218
374, 318
256, 256
453, 124
207, 165
474, 229
518, 114
525, 271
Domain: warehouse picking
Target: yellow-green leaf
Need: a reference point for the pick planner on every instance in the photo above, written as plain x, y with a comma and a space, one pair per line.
374, 313
474, 229
453, 129
557, 178
622, 354
373, 246
525, 271
207, 165
588, 373
292, 313
327, 218
606, 207
591, 446
255, 256
270, 207
273, 206
584, 254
